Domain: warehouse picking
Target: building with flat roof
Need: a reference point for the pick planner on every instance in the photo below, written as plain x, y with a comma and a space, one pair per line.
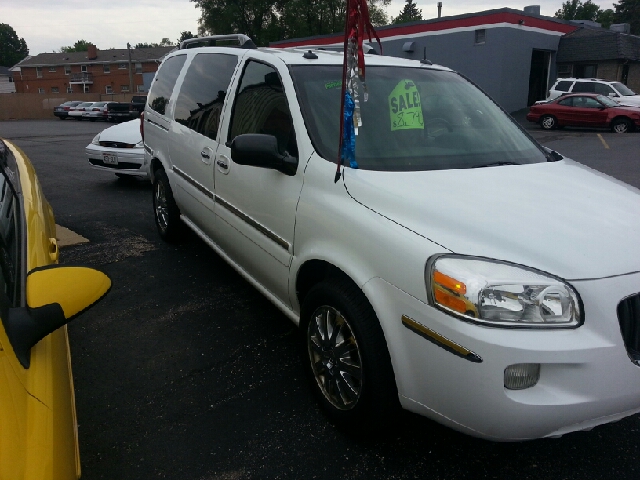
510, 54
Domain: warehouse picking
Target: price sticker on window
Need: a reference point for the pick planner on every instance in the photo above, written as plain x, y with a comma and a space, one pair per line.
405, 108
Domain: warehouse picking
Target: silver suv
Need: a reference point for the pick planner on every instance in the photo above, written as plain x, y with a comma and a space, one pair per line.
616, 90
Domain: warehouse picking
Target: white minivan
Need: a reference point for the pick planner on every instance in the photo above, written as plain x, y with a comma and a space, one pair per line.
457, 268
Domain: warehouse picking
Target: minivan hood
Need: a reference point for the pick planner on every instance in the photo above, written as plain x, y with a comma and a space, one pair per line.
562, 217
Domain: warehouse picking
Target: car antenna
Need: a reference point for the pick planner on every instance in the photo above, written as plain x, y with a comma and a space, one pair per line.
424, 60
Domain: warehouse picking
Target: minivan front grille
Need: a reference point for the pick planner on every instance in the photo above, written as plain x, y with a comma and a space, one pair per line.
629, 318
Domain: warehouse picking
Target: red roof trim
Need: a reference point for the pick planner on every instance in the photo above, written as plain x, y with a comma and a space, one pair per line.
471, 21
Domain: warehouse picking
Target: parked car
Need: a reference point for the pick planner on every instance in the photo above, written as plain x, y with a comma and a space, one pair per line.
585, 110
118, 112
97, 111
39, 434
119, 149
453, 266
616, 90
78, 111
136, 107
62, 110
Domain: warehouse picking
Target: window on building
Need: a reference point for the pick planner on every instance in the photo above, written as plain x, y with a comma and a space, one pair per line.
106, 68
67, 69
83, 68
41, 90
39, 72
108, 89
586, 71
138, 68
140, 88
86, 88
564, 71
69, 90
124, 88
480, 36
52, 69
55, 90
122, 66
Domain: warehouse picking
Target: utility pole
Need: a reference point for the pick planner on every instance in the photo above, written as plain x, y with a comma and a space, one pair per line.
130, 71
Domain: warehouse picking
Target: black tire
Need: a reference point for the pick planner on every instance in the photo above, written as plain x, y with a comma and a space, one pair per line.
61, 118
92, 119
548, 122
621, 125
355, 385
78, 119
166, 212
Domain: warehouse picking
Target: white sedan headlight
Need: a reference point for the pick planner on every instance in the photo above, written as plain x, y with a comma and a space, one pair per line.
500, 294
96, 140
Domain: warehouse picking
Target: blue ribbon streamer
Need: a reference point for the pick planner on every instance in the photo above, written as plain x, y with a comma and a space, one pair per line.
349, 132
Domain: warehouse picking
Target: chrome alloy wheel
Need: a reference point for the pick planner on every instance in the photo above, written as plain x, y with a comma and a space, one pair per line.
548, 122
621, 127
162, 208
335, 357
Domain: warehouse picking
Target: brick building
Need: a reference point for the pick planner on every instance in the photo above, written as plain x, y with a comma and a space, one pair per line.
600, 53
93, 71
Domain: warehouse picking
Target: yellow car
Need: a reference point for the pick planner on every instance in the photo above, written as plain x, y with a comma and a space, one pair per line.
38, 427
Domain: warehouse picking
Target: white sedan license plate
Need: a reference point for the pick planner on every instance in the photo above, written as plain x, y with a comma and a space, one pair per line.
110, 159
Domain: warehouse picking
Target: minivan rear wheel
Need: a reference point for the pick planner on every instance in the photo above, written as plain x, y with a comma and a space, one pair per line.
166, 212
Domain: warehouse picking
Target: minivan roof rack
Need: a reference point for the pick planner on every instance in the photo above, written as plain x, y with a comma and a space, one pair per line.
243, 41
337, 48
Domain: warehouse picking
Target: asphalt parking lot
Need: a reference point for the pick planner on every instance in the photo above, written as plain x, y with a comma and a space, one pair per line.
184, 371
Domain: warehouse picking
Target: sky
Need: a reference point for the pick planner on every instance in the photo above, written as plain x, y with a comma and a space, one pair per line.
47, 25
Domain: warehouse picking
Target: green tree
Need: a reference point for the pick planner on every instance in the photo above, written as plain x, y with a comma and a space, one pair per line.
269, 20
185, 36
165, 42
628, 11
12, 48
409, 13
79, 46
578, 10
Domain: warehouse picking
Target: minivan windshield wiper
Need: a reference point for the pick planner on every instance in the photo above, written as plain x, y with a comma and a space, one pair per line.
495, 164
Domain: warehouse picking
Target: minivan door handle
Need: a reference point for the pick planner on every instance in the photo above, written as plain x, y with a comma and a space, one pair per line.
222, 164
205, 155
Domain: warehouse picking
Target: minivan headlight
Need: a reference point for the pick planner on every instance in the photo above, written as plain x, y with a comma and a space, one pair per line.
96, 140
500, 294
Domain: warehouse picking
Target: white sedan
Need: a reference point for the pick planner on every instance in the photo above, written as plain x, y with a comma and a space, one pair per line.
97, 111
119, 149
77, 111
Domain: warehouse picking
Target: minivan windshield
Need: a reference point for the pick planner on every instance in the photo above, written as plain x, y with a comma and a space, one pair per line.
414, 119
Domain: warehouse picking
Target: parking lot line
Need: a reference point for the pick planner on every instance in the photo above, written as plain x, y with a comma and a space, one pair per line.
603, 142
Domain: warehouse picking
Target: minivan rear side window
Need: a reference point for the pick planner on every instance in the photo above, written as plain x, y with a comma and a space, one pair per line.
563, 86
164, 82
203, 91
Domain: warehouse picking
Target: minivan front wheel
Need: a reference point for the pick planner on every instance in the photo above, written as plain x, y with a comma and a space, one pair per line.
166, 212
345, 356
548, 122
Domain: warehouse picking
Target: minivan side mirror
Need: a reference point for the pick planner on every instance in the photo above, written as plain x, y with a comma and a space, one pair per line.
55, 295
261, 150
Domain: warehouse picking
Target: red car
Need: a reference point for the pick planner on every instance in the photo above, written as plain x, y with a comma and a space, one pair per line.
585, 110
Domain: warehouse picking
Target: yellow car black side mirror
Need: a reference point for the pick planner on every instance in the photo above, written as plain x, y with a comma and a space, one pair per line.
55, 295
